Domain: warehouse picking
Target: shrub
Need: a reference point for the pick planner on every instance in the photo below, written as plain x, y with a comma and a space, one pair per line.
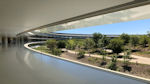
113, 64
51, 44
93, 59
81, 54
56, 51
102, 52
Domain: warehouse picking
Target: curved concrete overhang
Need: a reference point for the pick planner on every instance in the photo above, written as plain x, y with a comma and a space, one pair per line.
20, 16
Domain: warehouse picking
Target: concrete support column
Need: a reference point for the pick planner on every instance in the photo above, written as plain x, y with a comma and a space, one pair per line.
0, 40
18, 40
14, 40
6, 41
22, 39
11, 40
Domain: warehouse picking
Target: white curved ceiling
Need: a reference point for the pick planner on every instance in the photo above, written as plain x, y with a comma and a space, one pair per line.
20, 15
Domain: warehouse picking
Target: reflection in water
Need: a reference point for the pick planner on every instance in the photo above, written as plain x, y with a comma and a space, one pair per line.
21, 66
26, 59
79, 72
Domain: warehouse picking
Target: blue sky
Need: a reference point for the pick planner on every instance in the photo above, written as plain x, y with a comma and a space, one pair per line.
131, 27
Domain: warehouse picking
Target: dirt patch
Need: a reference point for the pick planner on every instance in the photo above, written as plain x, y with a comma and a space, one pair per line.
134, 69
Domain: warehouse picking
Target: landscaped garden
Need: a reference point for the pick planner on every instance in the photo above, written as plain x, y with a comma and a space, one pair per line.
112, 53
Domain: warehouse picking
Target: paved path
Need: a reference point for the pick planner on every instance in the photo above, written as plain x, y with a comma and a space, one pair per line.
140, 59
136, 59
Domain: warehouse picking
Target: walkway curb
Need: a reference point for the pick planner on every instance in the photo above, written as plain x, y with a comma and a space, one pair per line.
88, 65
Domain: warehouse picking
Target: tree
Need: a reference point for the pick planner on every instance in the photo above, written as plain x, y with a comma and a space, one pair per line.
71, 44
144, 40
96, 37
125, 38
51, 44
148, 33
103, 58
56, 51
126, 60
134, 40
113, 63
80, 44
88, 43
103, 42
116, 45
149, 43
61, 44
